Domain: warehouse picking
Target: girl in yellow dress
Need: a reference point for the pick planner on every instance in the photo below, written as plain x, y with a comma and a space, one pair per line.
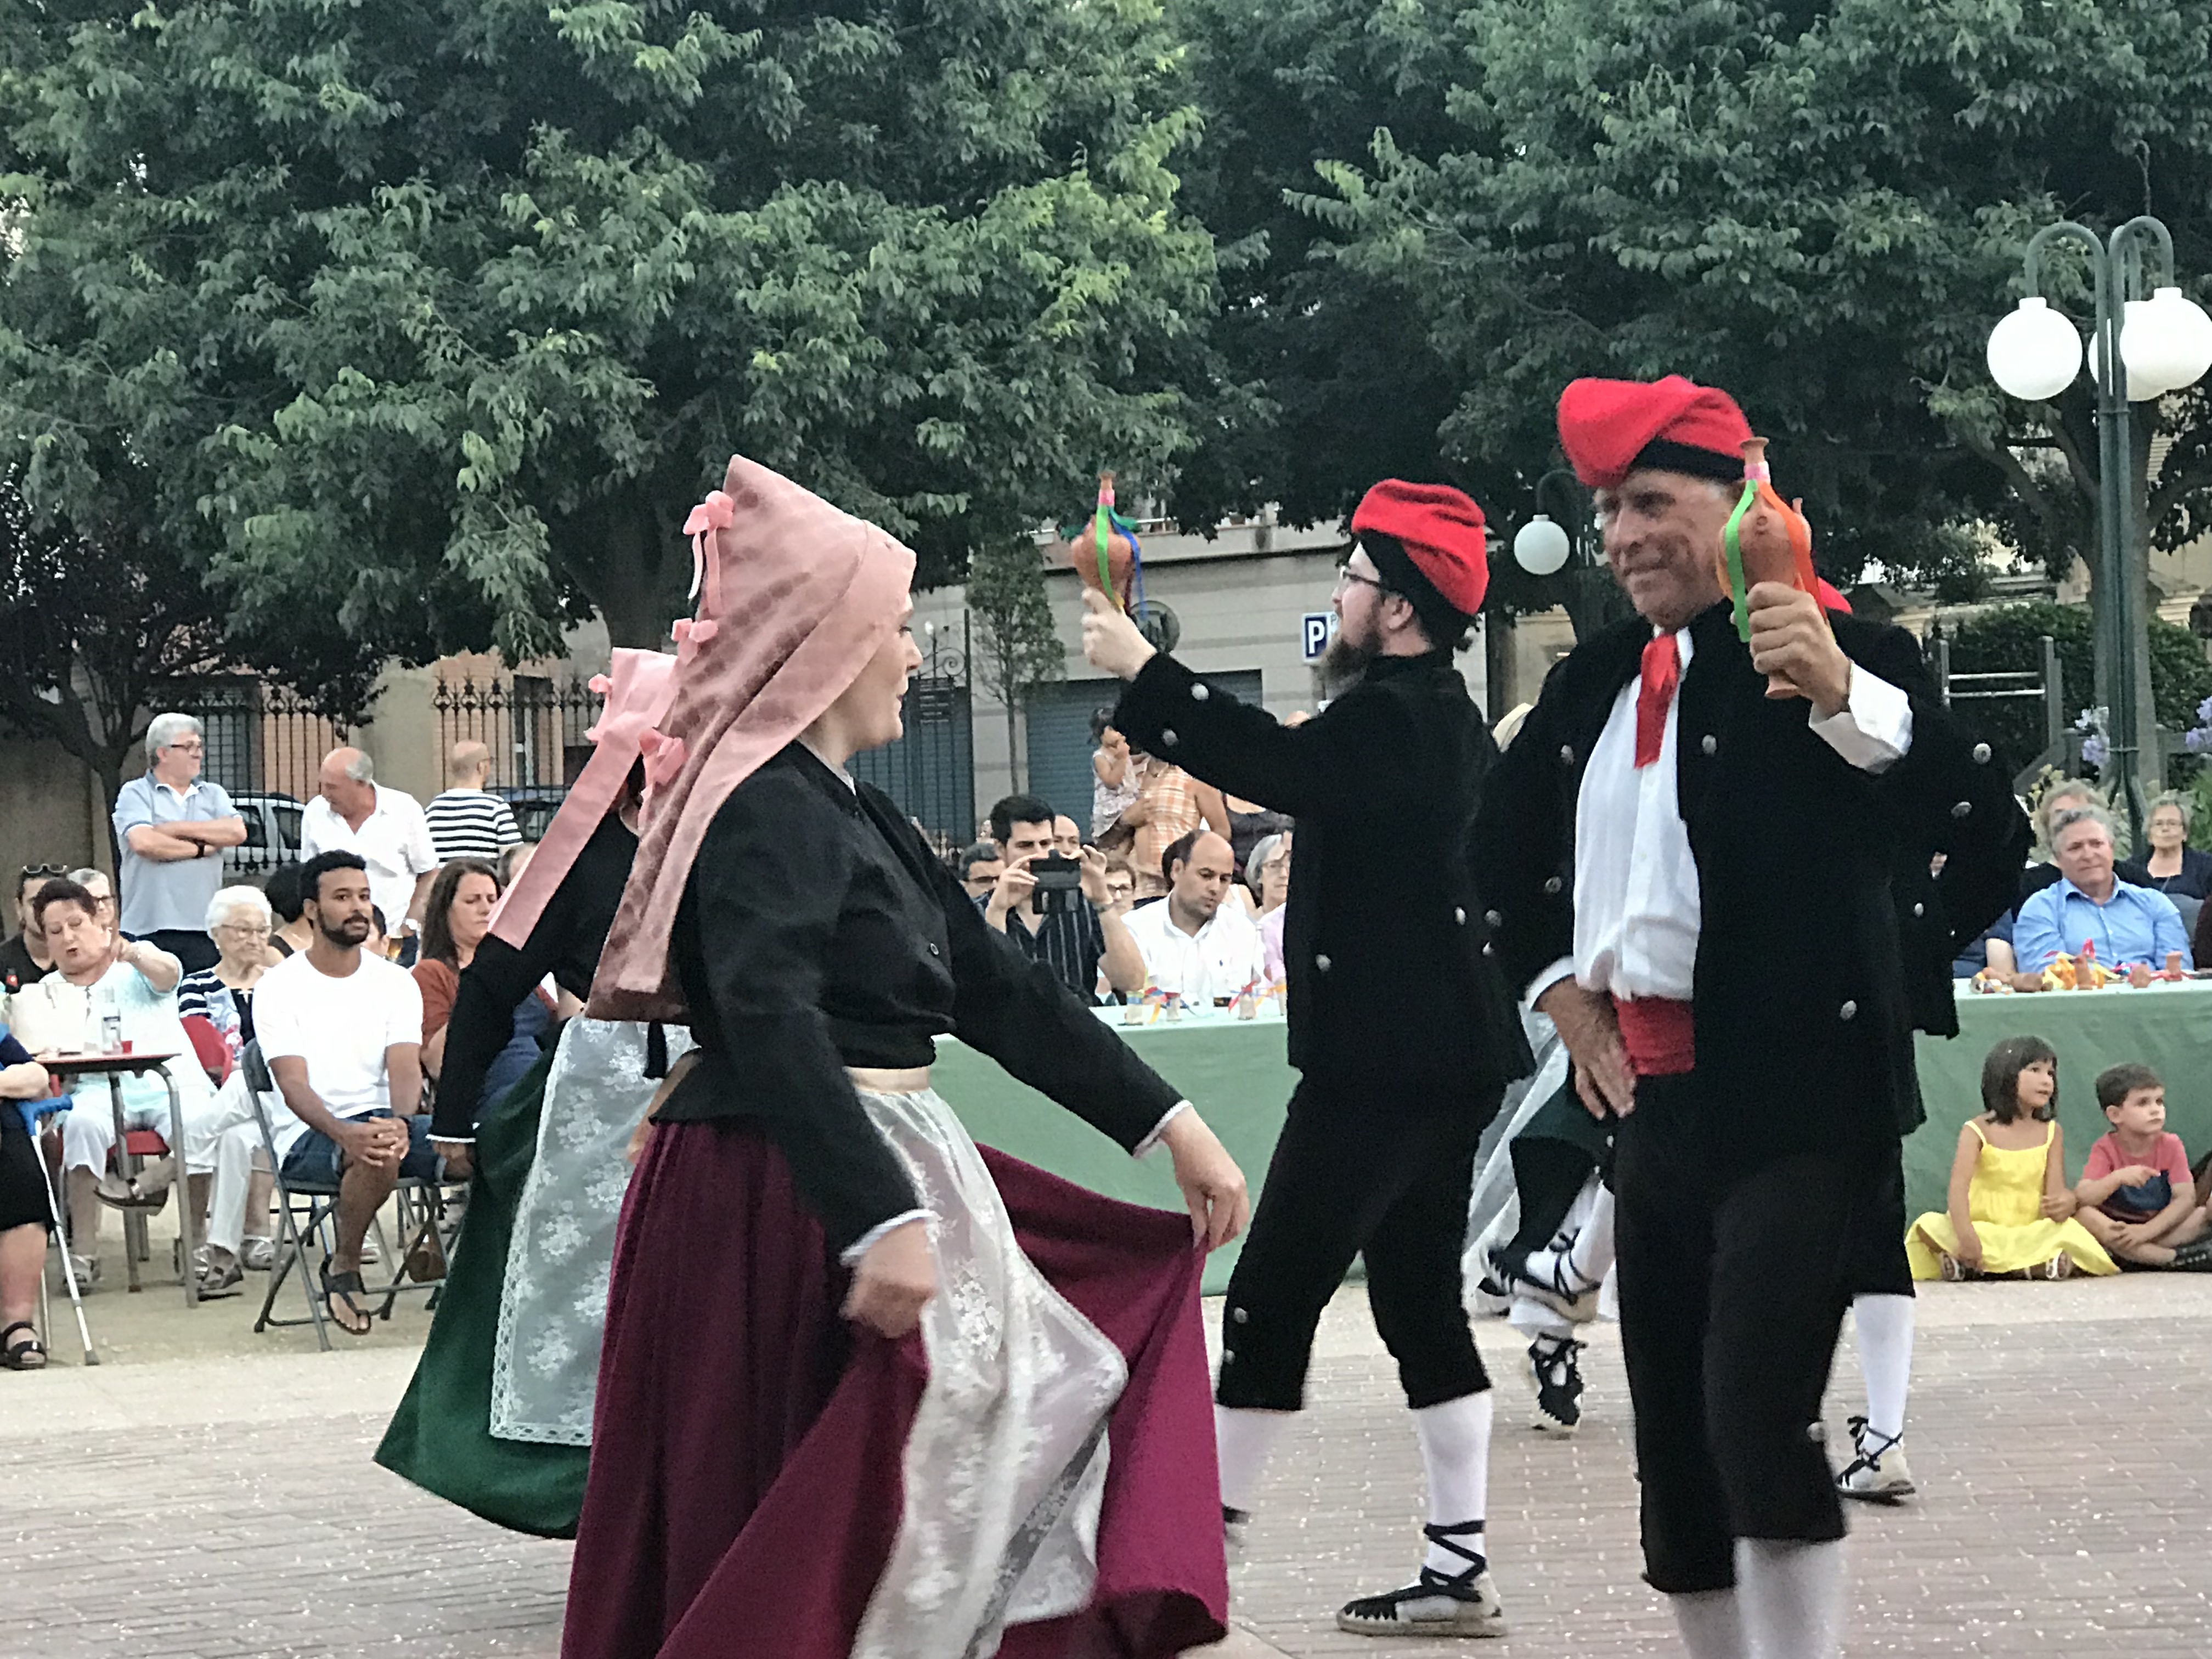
2010, 1212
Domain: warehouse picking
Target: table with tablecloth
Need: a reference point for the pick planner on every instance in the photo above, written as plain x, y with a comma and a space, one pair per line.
1238, 1074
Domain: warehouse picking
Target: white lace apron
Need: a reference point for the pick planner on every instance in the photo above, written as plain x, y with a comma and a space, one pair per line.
553, 1302
1006, 1466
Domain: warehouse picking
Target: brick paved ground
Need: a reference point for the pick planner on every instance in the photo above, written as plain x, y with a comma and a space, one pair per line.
205, 1494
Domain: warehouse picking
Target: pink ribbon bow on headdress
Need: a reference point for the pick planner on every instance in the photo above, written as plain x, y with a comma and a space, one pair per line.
638, 692
815, 593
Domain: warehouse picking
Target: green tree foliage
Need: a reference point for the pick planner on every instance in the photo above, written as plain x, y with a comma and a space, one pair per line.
1821, 207
100, 630
1321, 377
2008, 639
1013, 617
437, 315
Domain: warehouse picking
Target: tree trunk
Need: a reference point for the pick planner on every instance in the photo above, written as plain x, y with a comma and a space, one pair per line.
632, 568
1016, 773
1498, 642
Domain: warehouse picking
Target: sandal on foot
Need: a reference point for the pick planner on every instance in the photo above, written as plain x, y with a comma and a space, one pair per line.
221, 1280
24, 1353
133, 1194
340, 1289
1463, 1603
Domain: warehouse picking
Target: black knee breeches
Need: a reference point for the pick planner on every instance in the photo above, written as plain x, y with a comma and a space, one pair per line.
1348, 1179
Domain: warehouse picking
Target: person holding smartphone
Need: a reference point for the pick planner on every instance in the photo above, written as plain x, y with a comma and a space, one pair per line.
1056, 908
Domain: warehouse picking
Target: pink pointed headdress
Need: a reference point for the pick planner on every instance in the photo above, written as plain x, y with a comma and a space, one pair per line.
795, 597
637, 687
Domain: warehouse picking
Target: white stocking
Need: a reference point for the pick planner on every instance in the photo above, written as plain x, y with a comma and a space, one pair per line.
1711, 1623
1244, 1438
1793, 1598
1884, 1326
1455, 1453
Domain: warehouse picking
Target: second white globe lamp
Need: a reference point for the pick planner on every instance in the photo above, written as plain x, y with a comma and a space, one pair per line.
1541, 547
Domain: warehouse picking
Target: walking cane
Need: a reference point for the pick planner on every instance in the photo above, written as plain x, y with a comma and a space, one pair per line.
62, 1242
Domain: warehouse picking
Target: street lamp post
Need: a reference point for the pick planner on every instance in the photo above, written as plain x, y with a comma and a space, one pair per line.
1548, 546
2143, 347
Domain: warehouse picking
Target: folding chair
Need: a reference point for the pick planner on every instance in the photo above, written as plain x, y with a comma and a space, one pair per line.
308, 1210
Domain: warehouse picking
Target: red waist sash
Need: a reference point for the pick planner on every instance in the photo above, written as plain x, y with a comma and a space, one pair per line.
1658, 1034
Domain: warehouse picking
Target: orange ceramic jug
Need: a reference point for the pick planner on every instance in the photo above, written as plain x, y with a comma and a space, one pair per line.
1765, 540
1103, 554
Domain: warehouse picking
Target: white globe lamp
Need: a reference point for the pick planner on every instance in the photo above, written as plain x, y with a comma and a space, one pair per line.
1541, 547
2167, 340
2034, 353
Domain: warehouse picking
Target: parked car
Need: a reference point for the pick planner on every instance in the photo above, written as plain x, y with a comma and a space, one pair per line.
533, 806
272, 836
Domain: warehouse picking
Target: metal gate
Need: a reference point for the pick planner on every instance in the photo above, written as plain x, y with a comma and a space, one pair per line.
931, 770
534, 726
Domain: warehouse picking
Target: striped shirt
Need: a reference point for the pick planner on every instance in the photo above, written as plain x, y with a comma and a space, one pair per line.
469, 823
1070, 942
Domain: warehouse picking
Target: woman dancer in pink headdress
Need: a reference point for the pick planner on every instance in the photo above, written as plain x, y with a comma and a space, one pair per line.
867, 1389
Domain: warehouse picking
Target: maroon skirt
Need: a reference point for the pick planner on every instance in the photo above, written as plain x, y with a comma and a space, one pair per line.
745, 1476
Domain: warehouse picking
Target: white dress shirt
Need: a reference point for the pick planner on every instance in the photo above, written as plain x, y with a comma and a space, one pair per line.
393, 841
1219, 960
1636, 906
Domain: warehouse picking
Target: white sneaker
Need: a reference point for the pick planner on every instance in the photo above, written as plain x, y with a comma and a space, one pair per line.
257, 1256
86, 1269
1879, 1474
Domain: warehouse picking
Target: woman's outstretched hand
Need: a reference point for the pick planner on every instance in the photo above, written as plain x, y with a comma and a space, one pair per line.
895, 1280
1212, 1185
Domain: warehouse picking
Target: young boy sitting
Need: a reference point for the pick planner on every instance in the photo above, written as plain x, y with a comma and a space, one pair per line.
2135, 1192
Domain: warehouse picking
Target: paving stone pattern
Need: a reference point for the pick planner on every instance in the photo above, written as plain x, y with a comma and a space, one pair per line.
223, 1505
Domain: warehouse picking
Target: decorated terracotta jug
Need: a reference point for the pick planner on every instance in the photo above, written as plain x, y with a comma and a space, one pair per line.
1765, 539
1102, 552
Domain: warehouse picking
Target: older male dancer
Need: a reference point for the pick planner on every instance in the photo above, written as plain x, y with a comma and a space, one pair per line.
1691, 876
1404, 1036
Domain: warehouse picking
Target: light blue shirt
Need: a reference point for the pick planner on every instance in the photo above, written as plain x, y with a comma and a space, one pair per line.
2135, 925
162, 896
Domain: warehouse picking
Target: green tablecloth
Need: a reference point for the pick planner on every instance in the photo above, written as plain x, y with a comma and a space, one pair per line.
2166, 1027
1238, 1074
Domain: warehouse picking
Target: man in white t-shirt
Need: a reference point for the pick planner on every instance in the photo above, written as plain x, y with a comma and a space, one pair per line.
353, 812
341, 1031
1194, 946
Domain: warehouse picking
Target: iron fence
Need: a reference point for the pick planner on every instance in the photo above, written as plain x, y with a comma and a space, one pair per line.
534, 726
931, 770
265, 745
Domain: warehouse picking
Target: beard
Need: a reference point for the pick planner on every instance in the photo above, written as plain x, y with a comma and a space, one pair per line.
1346, 659
351, 930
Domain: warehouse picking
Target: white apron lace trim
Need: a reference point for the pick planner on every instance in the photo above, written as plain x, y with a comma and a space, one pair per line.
553, 1302
1006, 1466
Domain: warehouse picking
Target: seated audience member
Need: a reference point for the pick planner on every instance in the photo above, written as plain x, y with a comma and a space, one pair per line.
24, 958
341, 1031
1991, 954
2174, 867
510, 861
94, 974
25, 1220
1195, 945
1268, 873
291, 931
2067, 795
455, 924
1075, 939
979, 867
239, 922
2130, 925
1121, 884
2010, 1213
1067, 838
2136, 1195
1114, 776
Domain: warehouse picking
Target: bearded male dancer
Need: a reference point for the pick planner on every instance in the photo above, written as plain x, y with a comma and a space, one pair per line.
1403, 1033
1692, 879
